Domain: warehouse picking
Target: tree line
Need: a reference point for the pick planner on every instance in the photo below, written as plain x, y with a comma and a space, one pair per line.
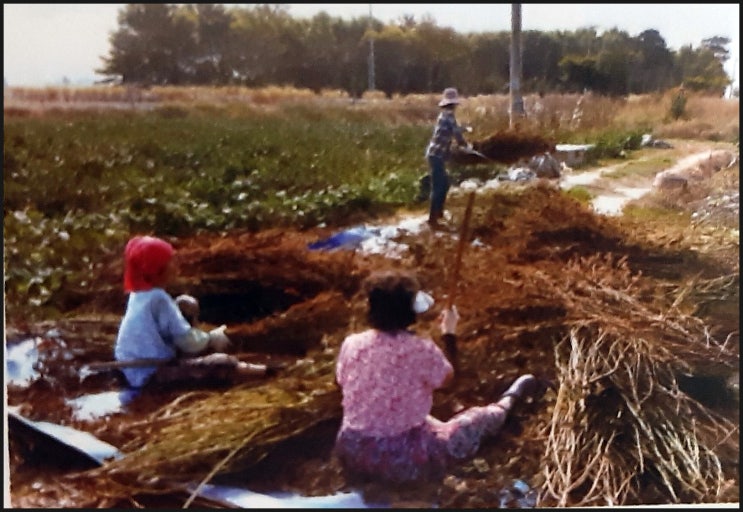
262, 44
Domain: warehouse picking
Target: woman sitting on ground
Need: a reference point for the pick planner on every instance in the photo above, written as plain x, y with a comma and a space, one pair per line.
388, 375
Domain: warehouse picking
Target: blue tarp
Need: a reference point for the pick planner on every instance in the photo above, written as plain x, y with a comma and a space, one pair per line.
348, 239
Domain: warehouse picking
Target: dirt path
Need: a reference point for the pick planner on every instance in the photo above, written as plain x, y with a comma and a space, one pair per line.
691, 160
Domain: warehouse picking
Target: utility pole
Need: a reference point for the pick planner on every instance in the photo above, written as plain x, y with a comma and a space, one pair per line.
517, 103
371, 52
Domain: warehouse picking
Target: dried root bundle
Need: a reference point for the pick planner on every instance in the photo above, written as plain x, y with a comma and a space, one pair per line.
202, 434
622, 429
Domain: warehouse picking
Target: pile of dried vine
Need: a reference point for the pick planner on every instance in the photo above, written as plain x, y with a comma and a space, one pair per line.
204, 433
506, 147
622, 430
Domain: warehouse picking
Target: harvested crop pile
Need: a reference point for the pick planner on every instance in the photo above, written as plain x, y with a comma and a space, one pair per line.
506, 147
546, 287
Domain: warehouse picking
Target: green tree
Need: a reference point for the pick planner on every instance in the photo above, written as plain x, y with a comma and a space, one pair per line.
584, 41
614, 63
700, 70
489, 62
653, 69
263, 46
579, 73
541, 61
443, 57
334, 50
151, 46
213, 42
353, 52
718, 46
396, 55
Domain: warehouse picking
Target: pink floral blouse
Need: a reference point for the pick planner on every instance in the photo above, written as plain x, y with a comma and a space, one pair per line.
388, 380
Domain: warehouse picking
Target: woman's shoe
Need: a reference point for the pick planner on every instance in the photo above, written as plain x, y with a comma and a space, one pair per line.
529, 387
523, 387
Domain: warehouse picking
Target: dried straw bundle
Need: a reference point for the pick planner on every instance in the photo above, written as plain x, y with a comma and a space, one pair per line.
202, 434
621, 428
600, 291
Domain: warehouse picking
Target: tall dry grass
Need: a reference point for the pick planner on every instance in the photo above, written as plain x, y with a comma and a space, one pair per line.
567, 117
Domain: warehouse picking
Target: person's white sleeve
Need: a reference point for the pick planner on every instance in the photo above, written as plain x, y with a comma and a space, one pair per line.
193, 341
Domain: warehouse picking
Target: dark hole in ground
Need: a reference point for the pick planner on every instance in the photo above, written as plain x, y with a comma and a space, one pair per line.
710, 390
536, 313
586, 236
245, 306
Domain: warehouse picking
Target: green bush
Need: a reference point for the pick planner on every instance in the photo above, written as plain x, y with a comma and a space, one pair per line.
678, 107
614, 144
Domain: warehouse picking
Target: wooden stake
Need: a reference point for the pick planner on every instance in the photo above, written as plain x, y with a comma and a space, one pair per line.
451, 346
454, 277
134, 363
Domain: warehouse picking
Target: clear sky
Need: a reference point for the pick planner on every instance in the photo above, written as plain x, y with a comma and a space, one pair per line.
44, 43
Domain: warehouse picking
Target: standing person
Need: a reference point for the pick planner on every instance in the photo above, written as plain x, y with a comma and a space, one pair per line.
388, 374
153, 326
438, 152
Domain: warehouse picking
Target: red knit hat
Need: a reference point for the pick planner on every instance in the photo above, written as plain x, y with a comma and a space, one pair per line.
145, 259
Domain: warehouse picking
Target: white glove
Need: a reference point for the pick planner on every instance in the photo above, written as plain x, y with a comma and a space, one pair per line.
449, 319
218, 340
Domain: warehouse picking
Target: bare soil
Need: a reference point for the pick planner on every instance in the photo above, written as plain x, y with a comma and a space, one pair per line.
284, 303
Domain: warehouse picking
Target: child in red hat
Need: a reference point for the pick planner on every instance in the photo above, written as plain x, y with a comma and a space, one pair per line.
154, 327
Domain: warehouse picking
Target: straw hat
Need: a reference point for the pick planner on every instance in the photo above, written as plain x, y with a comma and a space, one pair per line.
450, 97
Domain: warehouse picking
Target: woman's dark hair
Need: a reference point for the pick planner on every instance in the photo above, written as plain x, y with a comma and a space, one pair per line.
391, 294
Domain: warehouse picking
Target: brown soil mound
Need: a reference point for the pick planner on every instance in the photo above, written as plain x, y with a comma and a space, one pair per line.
506, 147
539, 265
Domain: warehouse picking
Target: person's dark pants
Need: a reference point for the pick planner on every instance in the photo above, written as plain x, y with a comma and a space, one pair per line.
439, 187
